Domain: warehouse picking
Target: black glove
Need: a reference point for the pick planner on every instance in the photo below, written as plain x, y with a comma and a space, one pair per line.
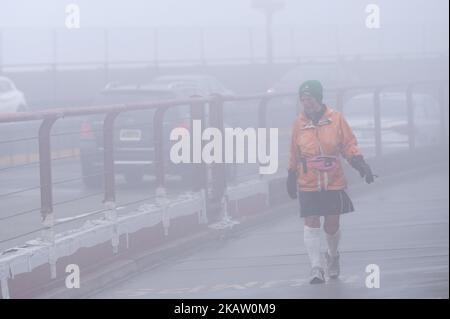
291, 184
358, 163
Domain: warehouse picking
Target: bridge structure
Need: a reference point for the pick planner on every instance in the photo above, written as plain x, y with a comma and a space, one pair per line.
50, 220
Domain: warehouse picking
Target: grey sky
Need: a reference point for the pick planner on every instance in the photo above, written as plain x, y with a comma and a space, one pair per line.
121, 13
302, 28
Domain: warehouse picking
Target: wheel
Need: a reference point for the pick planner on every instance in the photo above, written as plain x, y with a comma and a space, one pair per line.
91, 176
92, 181
134, 177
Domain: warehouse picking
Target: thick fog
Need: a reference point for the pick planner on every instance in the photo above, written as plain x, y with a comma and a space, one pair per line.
225, 29
224, 149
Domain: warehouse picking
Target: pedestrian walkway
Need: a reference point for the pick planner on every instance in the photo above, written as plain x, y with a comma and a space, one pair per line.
400, 229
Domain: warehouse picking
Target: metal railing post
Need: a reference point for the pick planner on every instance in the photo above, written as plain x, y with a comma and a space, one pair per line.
158, 127
200, 180
156, 46
251, 45
106, 56
340, 100
108, 159
160, 173
109, 177
202, 46
54, 68
293, 42
442, 113
218, 170
45, 176
262, 120
1, 51
262, 112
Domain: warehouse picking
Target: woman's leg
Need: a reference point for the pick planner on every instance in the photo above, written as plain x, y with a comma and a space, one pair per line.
311, 237
333, 234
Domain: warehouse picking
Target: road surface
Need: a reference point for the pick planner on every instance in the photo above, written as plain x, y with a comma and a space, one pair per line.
402, 228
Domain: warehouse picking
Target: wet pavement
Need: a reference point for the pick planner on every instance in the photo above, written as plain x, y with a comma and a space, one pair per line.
401, 230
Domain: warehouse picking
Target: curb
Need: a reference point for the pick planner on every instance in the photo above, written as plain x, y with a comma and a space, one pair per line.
124, 269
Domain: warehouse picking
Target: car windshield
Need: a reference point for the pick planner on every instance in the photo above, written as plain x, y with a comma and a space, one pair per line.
113, 97
363, 106
193, 85
184, 87
391, 106
167, 79
330, 75
131, 96
359, 106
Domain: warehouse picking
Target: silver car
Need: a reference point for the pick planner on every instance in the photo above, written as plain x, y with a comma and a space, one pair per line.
11, 99
359, 112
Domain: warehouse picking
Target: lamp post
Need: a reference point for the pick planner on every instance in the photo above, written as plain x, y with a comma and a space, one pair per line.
268, 7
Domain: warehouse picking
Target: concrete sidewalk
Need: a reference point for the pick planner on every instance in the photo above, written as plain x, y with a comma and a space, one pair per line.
402, 228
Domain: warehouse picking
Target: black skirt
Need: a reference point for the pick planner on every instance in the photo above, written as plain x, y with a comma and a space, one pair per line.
324, 203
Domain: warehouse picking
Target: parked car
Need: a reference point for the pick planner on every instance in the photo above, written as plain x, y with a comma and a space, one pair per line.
331, 75
204, 84
11, 99
359, 112
134, 149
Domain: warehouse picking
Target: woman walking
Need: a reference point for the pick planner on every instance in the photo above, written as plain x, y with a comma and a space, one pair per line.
319, 137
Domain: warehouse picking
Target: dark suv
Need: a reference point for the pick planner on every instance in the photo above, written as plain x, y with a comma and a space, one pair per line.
133, 131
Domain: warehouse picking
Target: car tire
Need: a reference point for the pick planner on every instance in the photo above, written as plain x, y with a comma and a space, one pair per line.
92, 181
91, 176
133, 178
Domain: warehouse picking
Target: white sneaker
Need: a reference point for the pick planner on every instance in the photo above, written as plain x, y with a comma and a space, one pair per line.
317, 276
333, 267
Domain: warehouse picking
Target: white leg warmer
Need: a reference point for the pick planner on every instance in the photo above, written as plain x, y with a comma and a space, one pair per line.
311, 237
333, 242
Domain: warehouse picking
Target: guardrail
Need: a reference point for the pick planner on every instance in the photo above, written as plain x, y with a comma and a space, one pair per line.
300, 59
236, 45
215, 184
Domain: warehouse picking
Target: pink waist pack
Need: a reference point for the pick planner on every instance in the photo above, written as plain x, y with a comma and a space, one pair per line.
323, 163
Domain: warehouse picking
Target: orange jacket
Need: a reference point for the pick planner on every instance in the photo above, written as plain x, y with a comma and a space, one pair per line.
331, 136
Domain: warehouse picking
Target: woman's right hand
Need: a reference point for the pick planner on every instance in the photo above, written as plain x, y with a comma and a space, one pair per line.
358, 163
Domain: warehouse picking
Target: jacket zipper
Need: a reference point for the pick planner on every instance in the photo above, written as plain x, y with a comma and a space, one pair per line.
319, 182
325, 174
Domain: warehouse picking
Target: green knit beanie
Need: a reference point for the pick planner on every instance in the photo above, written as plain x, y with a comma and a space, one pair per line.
313, 88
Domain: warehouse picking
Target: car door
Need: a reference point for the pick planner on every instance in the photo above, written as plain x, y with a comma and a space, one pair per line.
9, 97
